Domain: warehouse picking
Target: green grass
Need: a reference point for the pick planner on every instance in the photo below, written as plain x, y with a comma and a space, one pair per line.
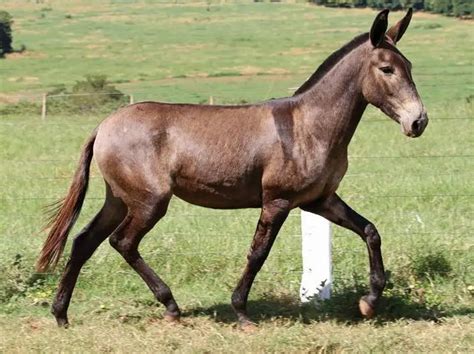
418, 192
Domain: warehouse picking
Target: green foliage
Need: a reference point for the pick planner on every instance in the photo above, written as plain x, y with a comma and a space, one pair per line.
384, 4
441, 6
21, 107
458, 8
93, 95
17, 279
462, 8
6, 39
415, 4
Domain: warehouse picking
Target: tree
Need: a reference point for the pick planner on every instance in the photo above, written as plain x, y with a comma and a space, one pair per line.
463, 7
442, 6
415, 4
6, 22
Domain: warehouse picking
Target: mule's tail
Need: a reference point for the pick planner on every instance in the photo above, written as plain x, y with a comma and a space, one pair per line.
64, 213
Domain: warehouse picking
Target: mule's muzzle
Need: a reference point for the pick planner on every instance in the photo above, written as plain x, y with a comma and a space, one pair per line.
418, 126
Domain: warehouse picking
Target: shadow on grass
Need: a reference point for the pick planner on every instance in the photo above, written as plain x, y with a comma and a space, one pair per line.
342, 307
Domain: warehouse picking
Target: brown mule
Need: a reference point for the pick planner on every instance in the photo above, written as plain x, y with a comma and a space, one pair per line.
275, 155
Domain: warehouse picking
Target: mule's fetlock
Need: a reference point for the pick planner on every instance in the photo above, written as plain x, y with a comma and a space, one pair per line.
61, 317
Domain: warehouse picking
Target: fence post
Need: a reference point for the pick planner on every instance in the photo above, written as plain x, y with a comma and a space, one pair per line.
43, 107
131, 99
316, 250
211, 100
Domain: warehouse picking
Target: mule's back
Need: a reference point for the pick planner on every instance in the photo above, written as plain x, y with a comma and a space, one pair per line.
212, 156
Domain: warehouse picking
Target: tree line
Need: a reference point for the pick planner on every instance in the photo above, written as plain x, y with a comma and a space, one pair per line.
458, 8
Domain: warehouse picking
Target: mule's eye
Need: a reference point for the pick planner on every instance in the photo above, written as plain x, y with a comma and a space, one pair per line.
387, 70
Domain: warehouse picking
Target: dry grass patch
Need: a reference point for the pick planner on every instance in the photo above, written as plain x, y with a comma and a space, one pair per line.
299, 51
29, 79
204, 334
185, 48
27, 54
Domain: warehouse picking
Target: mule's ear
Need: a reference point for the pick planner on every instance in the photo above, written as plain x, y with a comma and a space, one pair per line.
377, 31
396, 31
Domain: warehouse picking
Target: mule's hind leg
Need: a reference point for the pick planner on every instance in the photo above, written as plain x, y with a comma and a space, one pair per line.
84, 245
126, 238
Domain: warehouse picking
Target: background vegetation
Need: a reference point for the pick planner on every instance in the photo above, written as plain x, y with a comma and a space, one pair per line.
458, 8
5, 33
417, 191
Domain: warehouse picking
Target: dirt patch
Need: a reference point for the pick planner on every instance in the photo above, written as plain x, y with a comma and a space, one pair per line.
111, 17
278, 71
340, 30
201, 77
7, 99
185, 48
29, 79
298, 51
94, 46
248, 70
96, 38
182, 20
26, 55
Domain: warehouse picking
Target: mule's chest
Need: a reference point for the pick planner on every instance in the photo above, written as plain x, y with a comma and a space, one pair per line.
318, 182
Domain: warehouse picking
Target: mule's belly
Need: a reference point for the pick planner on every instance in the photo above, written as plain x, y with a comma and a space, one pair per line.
224, 195
217, 189
246, 190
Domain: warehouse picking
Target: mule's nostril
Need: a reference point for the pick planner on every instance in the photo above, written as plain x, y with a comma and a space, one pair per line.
415, 126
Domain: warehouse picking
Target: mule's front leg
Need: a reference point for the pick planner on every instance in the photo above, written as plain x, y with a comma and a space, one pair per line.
273, 215
334, 209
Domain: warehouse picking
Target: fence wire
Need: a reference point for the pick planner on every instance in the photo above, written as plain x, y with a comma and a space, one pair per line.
455, 231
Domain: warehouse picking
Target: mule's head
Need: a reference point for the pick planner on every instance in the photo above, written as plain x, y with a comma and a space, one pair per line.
388, 83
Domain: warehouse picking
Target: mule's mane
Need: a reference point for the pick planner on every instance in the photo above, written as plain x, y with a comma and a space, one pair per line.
331, 61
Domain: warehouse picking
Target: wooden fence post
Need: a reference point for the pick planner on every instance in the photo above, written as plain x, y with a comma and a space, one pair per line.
43, 107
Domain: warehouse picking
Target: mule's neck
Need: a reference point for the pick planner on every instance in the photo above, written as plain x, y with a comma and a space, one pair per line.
333, 106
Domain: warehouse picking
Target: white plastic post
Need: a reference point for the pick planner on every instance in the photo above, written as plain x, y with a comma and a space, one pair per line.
316, 249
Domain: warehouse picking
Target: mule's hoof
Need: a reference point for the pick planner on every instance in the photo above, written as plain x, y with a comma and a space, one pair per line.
171, 318
248, 326
365, 309
62, 322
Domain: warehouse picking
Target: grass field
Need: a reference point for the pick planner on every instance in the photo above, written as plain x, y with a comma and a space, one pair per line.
418, 192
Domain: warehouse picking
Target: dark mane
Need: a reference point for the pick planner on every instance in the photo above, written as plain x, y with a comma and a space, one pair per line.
332, 60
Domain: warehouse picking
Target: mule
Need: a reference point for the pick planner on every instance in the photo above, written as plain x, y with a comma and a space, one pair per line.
276, 155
